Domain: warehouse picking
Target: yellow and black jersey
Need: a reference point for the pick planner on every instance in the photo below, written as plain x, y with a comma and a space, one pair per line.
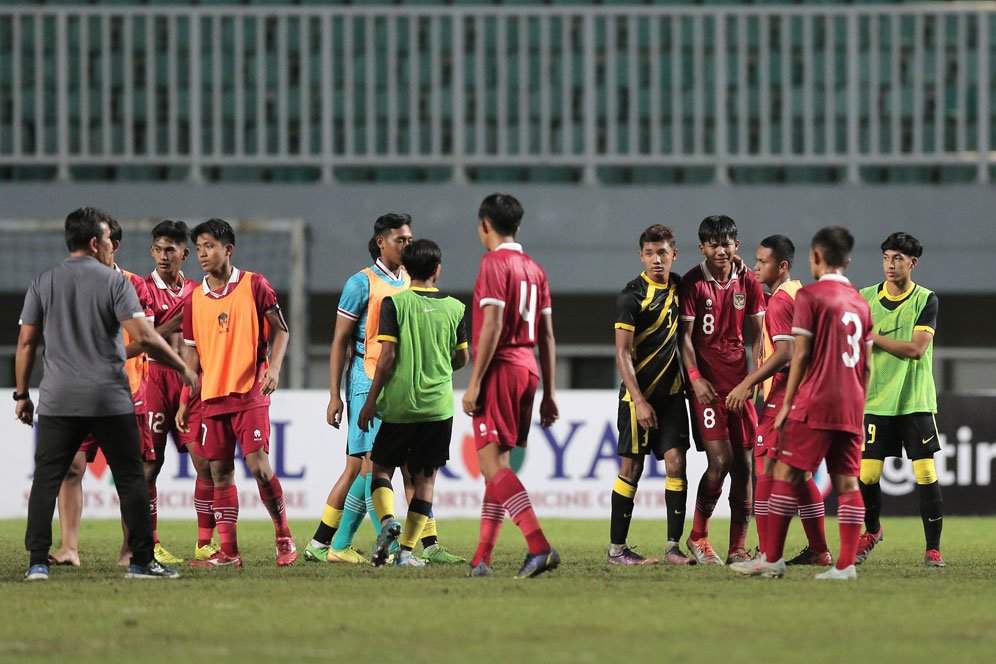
650, 311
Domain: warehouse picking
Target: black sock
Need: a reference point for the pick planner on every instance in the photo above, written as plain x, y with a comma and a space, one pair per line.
623, 495
871, 494
324, 533
932, 513
675, 502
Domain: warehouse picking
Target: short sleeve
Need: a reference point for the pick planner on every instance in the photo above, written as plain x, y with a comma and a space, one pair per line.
803, 322
545, 302
188, 321
627, 308
778, 318
755, 294
355, 295
490, 287
125, 298
31, 312
461, 332
144, 297
263, 294
388, 329
686, 296
927, 320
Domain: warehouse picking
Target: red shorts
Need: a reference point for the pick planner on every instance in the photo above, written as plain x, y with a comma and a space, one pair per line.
506, 406
162, 395
250, 428
715, 422
767, 436
803, 447
89, 446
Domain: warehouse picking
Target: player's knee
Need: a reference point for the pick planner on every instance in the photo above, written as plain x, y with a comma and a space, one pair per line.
871, 470
631, 469
924, 471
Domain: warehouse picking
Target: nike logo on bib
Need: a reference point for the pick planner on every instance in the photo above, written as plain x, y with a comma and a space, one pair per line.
885, 332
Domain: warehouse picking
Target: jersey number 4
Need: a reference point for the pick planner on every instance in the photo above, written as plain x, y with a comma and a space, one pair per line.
527, 306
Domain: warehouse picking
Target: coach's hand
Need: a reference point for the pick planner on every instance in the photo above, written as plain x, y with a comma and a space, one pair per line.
705, 393
271, 378
737, 397
782, 416
645, 415
181, 417
24, 410
470, 399
333, 414
549, 413
367, 414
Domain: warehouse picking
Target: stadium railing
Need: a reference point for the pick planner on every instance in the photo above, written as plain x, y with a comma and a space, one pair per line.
462, 87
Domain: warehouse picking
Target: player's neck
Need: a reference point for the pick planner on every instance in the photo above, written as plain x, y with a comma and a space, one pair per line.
171, 279
495, 241
427, 284
897, 288
663, 279
219, 278
720, 274
777, 283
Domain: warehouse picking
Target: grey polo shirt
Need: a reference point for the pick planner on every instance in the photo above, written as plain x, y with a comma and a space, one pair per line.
78, 304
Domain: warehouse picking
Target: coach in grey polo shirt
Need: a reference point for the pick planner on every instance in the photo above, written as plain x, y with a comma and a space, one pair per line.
79, 307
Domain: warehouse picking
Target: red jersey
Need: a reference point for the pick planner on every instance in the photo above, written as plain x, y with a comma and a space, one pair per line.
838, 320
778, 327
135, 367
716, 312
265, 298
167, 303
510, 279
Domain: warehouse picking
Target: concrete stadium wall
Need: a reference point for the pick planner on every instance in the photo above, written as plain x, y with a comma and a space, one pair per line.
585, 237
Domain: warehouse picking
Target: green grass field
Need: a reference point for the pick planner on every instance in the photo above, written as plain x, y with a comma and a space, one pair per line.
584, 612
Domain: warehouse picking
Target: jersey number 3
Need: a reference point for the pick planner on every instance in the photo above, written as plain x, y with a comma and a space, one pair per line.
853, 340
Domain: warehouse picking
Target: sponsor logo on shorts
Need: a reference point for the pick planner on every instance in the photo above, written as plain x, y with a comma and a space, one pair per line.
257, 435
739, 301
217, 516
926, 440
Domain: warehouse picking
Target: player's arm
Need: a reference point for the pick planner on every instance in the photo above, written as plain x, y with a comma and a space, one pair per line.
487, 344
385, 367
148, 341
341, 337
705, 393
645, 415
801, 358
549, 413
278, 349
779, 358
193, 361
172, 326
912, 350
24, 361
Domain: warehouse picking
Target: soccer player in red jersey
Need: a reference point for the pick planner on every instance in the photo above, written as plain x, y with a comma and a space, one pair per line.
511, 315
774, 262
716, 296
169, 289
822, 416
226, 325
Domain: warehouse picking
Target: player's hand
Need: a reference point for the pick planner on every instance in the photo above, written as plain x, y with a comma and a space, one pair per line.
333, 414
645, 416
367, 414
549, 413
737, 397
271, 378
470, 399
705, 393
738, 263
191, 380
782, 416
24, 410
181, 417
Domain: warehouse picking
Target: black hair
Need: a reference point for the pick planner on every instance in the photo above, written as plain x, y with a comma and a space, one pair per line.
781, 247
657, 233
716, 228
82, 225
176, 231
904, 243
421, 258
383, 226
116, 233
219, 229
836, 243
503, 211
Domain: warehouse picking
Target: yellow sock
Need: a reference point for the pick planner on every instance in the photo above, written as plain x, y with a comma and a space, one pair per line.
383, 500
429, 530
415, 523
331, 516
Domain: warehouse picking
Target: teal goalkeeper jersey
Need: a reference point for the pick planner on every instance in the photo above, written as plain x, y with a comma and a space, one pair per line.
427, 327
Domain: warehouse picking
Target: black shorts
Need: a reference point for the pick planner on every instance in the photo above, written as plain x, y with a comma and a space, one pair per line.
671, 432
422, 447
887, 436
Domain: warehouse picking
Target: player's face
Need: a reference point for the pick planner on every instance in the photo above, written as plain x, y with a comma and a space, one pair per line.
720, 252
105, 247
767, 268
212, 253
392, 244
168, 255
897, 266
657, 258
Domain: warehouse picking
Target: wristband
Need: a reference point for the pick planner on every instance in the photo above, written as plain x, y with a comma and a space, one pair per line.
185, 395
693, 374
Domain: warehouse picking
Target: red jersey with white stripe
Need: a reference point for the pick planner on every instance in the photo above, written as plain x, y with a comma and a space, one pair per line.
167, 302
717, 313
778, 327
510, 279
837, 318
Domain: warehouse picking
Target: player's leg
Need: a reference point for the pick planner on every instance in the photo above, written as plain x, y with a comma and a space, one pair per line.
426, 456
674, 442
70, 513
762, 492
389, 452
921, 442
881, 438
203, 502
318, 549
712, 431
252, 428
632, 450
844, 465
218, 447
812, 513
359, 498
742, 428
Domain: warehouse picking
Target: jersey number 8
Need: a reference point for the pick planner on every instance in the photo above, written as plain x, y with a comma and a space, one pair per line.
708, 324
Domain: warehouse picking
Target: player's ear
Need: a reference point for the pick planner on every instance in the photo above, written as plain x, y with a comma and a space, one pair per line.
674, 254
913, 261
186, 252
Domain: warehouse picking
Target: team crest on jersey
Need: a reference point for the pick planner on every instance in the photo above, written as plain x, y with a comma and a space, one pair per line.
223, 323
739, 301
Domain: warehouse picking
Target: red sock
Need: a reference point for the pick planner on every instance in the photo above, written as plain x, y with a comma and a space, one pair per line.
226, 513
782, 506
492, 517
762, 491
154, 510
705, 503
509, 490
812, 513
273, 497
739, 523
204, 506
850, 518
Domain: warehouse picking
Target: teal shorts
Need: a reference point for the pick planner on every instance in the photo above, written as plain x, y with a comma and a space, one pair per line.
358, 443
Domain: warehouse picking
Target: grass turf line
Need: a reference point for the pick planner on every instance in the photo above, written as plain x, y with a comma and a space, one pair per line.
585, 611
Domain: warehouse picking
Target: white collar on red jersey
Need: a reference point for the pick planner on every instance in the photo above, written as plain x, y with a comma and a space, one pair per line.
511, 246
161, 285
832, 276
708, 275
231, 280
383, 268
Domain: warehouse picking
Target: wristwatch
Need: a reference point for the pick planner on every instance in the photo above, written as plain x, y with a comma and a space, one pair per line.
21, 396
